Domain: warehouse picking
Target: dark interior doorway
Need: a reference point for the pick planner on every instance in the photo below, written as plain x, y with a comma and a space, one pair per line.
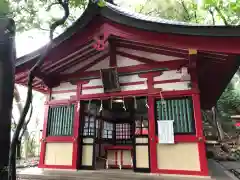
110, 122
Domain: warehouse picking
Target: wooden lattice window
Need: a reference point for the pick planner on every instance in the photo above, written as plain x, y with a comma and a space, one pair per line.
123, 133
89, 126
110, 80
180, 110
107, 130
141, 126
60, 121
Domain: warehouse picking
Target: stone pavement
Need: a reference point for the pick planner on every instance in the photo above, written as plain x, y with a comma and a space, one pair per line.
219, 172
216, 171
38, 174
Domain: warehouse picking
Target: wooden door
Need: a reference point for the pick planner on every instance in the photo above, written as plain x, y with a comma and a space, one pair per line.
87, 157
141, 159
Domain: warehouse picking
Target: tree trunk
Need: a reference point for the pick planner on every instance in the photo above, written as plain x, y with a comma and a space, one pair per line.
18, 153
20, 109
217, 124
7, 66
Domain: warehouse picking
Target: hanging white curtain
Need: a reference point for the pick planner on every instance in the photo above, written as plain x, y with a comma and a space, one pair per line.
165, 132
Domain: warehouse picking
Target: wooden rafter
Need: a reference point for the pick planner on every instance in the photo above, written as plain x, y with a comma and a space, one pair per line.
92, 63
150, 49
64, 61
74, 52
76, 61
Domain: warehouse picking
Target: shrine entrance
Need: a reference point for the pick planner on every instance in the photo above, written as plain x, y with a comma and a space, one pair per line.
114, 134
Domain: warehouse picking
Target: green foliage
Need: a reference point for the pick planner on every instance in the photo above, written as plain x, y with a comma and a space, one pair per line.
4, 8
227, 12
101, 3
205, 12
210, 12
229, 102
39, 14
32, 14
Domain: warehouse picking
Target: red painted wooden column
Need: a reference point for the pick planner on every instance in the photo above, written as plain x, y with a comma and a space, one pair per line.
152, 136
44, 135
151, 119
197, 113
76, 126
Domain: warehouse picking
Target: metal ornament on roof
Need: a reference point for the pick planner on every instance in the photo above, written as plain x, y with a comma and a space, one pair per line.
100, 41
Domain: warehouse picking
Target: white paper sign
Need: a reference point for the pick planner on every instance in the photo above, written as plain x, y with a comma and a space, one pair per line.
165, 132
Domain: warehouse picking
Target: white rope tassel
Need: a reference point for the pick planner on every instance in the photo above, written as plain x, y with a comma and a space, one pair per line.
135, 102
106, 164
146, 103
78, 106
111, 103
124, 107
131, 162
101, 107
89, 104
120, 166
163, 102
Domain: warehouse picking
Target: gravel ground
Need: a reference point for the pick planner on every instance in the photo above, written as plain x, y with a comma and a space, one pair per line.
26, 163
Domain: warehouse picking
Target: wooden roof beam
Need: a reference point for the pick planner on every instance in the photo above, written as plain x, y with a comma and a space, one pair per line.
74, 63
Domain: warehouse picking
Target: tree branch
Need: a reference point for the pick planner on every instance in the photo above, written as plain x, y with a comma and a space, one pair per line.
26, 124
212, 14
221, 15
31, 76
50, 6
186, 10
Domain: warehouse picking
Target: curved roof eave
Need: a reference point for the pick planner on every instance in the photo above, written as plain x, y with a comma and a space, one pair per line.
136, 20
121, 16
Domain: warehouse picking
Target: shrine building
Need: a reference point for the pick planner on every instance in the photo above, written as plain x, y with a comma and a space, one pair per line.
126, 91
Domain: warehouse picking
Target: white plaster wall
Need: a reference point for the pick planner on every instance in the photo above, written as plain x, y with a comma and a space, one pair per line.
58, 154
93, 82
180, 156
64, 86
92, 91
168, 75
84, 63
134, 87
101, 65
125, 61
149, 55
131, 78
173, 86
